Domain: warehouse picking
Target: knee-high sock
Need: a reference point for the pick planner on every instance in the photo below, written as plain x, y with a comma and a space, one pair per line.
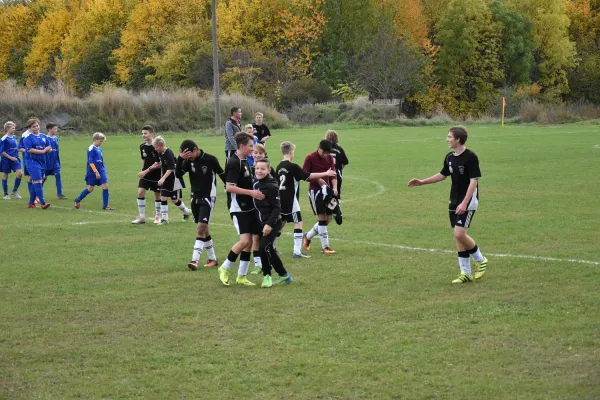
39, 192
58, 184
164, 210
198, 247
104, 198
297, 241
157, 207
244, 263
313, 232
208, 246
464, 262
141, 203
323, 234
82, 195
5, 186
31, 192
17, 184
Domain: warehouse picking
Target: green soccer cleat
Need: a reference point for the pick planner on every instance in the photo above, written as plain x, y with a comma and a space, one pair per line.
257, 270
463, 278
242, 280
224, 276
287, 279
480, 268
186, 217
267, 282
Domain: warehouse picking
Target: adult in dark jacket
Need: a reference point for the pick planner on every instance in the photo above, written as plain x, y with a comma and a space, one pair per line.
232, 126
268, 212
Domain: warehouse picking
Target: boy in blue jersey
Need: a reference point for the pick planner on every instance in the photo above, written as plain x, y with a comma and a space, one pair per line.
96, 173
53, 160
9, 161
249, 129
36, 146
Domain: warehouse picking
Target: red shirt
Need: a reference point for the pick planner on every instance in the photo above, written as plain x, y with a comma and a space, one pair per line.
315, 163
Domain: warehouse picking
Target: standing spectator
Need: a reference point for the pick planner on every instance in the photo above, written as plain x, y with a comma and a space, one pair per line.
232, 126
261, 131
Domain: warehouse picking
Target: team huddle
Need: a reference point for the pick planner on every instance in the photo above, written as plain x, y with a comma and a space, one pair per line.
261, 198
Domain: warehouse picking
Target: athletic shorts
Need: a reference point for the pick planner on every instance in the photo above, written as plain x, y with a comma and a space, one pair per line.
53, 171
148, 185
461, 220
293, 217
202, 209
36, 171
91, 180
318, 205
246, 222
9, 166
173, 195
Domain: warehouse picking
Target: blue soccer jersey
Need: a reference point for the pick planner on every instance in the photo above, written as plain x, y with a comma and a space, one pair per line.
39, 142
53, 157
9, 145
94, 157
22, 144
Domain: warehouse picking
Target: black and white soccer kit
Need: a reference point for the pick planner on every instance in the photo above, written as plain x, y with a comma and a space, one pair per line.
202, 173
149, 157
172, 186
290, 175
341, 160
241, 207
462, 168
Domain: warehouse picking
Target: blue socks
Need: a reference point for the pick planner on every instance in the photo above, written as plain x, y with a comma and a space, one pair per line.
31, 192
104, 198
39, 192
17, 184
5, 186
58, 184
82, 195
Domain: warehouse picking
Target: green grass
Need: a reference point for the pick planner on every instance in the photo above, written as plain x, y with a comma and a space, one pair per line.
94, 307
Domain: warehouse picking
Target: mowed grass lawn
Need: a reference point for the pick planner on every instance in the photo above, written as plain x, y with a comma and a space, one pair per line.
94, 307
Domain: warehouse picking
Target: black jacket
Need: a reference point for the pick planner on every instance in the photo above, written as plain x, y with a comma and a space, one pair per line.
268, 210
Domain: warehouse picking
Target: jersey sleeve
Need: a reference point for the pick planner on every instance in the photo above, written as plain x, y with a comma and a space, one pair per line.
216, 166
446, 168
182, 167
307, 164
91, 156
169, 160
272, 194
331, 162
2, 146
299, 173
267, 131
27, 145
233, 172
343, 159
474, 171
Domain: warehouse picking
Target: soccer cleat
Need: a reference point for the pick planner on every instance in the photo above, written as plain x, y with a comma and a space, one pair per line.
17, 195
300, 255
287, 279
257, 270
163, 222
306, 243
108, 208
6, 197
242, 280
157, 220
45, 206
138, 221
267, 282
480, 268
31, 206
77, 204
62, 197
186, 217
211, 264
224, 276
463, 278
193, 265
329, 250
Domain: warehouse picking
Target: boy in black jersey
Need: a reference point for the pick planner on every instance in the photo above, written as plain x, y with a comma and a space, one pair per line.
268, 211
290, 175
202, 169
341, 160
149, 176
238, 177
463, 165
170, 185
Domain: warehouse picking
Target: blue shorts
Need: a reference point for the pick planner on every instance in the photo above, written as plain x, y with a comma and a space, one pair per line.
9, 166
54, 171
91, 180
35, 171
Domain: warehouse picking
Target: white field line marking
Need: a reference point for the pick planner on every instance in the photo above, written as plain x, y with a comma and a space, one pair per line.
596, 146
406, 247
379, 192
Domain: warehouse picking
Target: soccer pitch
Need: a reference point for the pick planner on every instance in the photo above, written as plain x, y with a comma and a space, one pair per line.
94, 307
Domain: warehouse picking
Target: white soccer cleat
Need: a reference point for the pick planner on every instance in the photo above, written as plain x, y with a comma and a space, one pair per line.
17, 195
139, 221
7, 197
157, 220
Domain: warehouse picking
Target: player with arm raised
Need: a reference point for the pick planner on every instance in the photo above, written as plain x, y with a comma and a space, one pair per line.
149, 177
463, 166
202, 169
322, 199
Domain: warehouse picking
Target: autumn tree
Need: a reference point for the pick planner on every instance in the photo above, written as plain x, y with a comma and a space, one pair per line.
19, 26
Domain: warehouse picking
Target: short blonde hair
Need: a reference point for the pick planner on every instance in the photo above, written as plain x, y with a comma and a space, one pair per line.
248, 126
159, 141
98, 136
287, 147
260, 148
7, 124
332, 136
257, 114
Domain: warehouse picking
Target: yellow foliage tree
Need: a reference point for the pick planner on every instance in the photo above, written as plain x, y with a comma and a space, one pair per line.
19, 26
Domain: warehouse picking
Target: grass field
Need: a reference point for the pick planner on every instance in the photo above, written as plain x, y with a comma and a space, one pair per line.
94, 307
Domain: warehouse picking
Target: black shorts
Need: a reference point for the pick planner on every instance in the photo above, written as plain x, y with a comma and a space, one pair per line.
246, 222
461, 220
173, 195
317, 203
148, 185
202, 209
293, 217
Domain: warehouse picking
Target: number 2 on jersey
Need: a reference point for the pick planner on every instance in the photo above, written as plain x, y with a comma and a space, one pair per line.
282, 182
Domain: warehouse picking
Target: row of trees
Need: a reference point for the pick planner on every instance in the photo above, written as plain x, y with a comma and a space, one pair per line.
457, 54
